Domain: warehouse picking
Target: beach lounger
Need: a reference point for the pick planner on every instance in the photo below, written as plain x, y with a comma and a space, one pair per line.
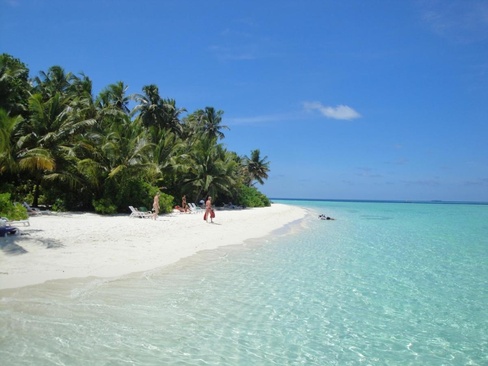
16, 222
6, 229
194, 208
141, 214
32, 210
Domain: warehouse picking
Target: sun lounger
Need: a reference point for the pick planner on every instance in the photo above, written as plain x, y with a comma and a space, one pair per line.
141, 214
7, 229
194, 208
16, 222
32, 210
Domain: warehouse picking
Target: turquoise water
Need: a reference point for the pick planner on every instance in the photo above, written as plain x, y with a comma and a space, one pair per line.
383, 284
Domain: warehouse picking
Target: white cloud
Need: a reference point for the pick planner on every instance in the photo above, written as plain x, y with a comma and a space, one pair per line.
257, 119
338, 112
235, 53
464, 21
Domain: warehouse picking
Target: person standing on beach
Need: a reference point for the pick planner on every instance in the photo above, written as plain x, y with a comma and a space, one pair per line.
208, 210
156, 206
184, 204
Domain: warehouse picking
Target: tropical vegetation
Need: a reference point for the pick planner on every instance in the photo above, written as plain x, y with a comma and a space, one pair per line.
62, 146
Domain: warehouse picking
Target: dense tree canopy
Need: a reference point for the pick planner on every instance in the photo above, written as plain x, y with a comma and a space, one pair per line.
62, 146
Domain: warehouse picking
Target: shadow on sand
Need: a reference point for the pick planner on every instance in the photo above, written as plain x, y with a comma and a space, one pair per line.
12, 245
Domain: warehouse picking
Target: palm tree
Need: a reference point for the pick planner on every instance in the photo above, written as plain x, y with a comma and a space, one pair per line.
205, 122
168, 151
126, 149
46, 141
114, 96
256, 169
14, 85
208, 169
172, 117
55, 80
7, 128
155, 112
212, 120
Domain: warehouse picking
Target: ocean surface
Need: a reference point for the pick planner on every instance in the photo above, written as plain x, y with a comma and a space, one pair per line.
383, 284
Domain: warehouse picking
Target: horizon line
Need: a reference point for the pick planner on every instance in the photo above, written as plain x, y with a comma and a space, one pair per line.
381, 200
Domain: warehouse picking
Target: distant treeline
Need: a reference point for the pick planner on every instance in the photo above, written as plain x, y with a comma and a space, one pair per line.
62, 146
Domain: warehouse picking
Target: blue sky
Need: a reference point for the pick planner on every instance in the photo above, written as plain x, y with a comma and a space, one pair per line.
379, 99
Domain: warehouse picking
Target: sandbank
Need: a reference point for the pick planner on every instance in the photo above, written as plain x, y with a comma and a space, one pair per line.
77, 245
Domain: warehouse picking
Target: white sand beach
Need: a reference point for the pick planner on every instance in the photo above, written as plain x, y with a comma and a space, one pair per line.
76, 245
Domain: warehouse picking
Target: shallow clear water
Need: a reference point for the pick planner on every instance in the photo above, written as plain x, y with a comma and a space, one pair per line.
384, 284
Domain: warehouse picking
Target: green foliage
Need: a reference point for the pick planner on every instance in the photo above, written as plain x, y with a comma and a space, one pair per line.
6, 187
59, 205
60, 144
165, 202
14, 85
211, 170
63, 197
104, 206
256, 168
131, 191
10, 210
251, 197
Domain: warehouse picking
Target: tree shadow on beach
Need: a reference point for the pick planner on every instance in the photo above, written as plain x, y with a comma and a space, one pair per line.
12, 245
50, 243
9, 246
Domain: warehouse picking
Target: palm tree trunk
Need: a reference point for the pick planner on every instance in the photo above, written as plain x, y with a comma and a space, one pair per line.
35, 202
198, 196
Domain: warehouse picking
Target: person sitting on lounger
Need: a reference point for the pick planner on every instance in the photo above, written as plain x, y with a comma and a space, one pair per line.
184, 205
179, 208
